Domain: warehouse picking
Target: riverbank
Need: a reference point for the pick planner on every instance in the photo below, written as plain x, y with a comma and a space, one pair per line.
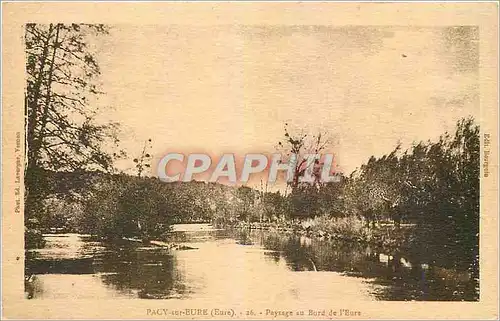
426, 245
388, 236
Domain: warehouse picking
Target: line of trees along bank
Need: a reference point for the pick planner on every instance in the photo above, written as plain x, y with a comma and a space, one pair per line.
70, 183
425, 198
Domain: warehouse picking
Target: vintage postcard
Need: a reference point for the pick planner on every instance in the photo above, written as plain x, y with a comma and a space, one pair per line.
249, 160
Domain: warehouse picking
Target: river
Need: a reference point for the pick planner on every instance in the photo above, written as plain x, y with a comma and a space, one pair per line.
234, 266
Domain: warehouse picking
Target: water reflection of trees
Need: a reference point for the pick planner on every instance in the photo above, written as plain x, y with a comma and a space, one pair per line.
149, 272
146, 272
395, 276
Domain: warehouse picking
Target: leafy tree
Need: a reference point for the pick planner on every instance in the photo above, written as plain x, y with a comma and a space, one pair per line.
433, 185
331, 198
244, 203
61, 131
143, 210
62, 78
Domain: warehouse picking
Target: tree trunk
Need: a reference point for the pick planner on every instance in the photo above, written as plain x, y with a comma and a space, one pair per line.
37, 146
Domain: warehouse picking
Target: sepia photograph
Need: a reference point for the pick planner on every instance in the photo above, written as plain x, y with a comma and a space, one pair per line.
264, 169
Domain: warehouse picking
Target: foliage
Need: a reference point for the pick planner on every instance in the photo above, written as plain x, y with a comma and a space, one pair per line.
424, 199
61, 131
62, 72
433, 185
349, 228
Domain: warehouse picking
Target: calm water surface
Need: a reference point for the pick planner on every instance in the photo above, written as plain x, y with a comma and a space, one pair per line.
234, 266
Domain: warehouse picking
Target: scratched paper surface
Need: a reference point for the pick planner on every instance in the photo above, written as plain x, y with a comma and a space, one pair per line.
250, 160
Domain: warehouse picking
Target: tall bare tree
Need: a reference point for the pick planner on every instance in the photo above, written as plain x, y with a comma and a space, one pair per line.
303, 195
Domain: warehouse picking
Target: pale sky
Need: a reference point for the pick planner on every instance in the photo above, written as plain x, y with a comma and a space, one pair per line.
232, 88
